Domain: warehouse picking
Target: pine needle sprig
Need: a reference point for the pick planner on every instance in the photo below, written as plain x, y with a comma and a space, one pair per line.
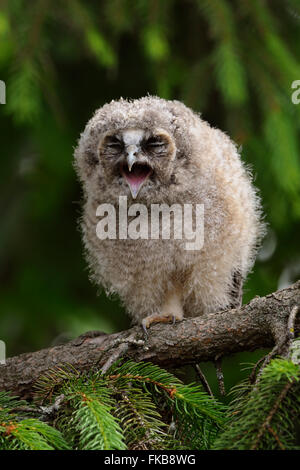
140, 420
263, 416
92, 417
9, 402
33, 434
51, 381
120, 409
198, 416
144, 373
17, 432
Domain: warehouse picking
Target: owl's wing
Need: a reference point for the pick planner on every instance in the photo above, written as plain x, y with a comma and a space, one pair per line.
237, 290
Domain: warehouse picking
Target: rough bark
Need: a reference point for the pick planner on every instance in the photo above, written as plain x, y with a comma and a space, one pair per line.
259, 324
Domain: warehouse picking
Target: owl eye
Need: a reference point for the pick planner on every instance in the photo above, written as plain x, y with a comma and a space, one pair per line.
154, 143
114, 143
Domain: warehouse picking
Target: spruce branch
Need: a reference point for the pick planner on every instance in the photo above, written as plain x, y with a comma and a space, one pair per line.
123, 408
264, 415
266, 424
259, 324
140, 420
22, 432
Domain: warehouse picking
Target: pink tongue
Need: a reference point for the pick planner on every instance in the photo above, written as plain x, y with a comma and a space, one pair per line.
135, 179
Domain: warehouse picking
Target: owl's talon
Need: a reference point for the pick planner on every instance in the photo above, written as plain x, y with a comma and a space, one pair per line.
159, 318
144, 326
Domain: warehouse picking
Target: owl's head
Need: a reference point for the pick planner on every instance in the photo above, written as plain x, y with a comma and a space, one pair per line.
135, 147
136, 156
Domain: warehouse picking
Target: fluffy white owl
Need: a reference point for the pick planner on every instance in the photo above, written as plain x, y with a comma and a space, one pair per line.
160, 153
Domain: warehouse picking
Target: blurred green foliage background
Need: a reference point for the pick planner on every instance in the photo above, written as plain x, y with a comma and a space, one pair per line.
233, 61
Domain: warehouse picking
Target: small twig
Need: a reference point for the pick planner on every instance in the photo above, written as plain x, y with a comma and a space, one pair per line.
291, 327
267, 359
50, 410
25, 409
123, 346
220, 376
276, 437
118, 352
252, 376
203, 380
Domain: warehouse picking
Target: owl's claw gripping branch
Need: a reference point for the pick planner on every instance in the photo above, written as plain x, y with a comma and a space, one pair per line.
171, 304
159, 318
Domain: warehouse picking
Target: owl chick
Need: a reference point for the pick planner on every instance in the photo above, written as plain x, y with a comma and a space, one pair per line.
155, 151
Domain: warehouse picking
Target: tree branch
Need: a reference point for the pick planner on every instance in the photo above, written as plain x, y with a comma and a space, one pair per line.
260, 324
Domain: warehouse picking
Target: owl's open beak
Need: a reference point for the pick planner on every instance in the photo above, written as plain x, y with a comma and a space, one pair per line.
134, 171
135, 175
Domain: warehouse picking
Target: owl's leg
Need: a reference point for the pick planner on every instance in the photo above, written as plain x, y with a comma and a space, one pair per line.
171, 311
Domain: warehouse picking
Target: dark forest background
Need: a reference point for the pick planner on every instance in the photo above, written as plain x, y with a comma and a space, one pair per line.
233, 61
